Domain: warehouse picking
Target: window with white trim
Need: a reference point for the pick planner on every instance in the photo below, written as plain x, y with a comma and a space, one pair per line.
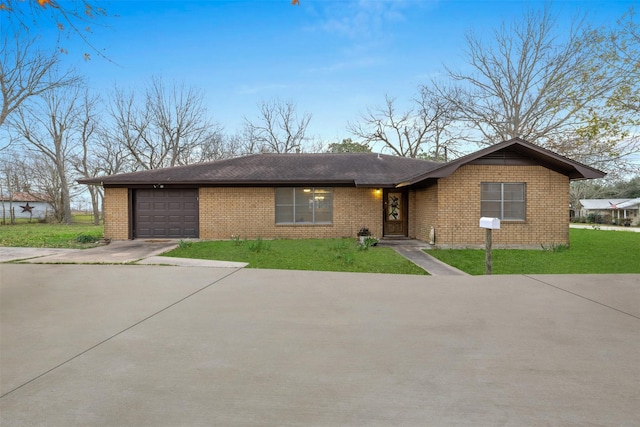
504, 200
304, 205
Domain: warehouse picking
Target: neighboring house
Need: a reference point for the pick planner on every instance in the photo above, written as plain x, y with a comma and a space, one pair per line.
334, 195
24, 205
612, 209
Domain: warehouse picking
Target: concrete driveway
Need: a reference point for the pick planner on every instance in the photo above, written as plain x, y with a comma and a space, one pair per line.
117, 252
97, 345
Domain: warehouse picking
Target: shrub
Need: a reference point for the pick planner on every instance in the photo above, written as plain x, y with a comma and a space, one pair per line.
554, 247
86, 238
184, 244
367, 243
258, 245
594, 218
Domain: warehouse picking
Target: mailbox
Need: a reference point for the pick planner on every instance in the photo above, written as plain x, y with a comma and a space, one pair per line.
490, 223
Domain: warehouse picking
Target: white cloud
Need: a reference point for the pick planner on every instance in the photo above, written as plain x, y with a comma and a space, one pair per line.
361, 19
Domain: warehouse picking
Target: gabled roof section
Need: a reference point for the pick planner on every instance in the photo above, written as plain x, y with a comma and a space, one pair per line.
359, 169
515, 151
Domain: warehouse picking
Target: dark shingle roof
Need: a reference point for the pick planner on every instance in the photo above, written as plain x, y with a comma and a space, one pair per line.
360, 169
514, 148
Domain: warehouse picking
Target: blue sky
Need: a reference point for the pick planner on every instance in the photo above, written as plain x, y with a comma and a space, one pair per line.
333, 58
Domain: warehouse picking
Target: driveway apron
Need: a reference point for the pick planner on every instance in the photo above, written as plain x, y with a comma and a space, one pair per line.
163, 346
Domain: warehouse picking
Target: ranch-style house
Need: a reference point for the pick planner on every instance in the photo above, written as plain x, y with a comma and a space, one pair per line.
335, 195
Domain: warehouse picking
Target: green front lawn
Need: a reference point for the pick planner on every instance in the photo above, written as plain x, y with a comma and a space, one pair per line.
304, 254
591, 252
37, 235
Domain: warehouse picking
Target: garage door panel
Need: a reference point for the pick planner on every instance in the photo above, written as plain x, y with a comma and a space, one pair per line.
168, 213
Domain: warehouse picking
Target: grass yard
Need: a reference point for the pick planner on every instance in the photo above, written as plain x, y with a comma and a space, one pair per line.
304, 254
37, 235
591, 252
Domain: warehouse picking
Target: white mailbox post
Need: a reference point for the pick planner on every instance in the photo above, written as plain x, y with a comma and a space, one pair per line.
489, 224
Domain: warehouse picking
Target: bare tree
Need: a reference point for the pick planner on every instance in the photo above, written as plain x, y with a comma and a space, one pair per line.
278, 129
85, 162
218, 146
26, 71
169, 128
420, 131
47, 127
529, 82
129, 122
444, 134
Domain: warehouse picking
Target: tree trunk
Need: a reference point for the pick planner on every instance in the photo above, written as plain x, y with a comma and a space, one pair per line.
65, 197
95, 206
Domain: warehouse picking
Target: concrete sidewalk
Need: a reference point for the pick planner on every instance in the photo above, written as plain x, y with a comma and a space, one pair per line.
117, 252
104, 345
413, 250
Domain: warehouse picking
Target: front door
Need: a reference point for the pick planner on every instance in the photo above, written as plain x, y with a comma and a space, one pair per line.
395, 213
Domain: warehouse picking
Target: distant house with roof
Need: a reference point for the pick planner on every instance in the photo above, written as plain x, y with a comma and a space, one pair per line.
620, 211
335, 194
25, 205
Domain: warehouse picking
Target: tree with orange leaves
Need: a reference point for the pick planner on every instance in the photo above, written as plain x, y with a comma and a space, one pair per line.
74, 18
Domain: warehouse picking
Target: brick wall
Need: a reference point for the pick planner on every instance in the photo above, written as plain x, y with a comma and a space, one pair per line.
458, 207
426, 211
452, 206
116, 213
250, 213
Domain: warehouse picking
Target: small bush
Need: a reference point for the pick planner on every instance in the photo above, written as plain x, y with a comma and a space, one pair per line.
555, 247
258, 245
184, 244
86, 238
344, 252
594, 218
367, 243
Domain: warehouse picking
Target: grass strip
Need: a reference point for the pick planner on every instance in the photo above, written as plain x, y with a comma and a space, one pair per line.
37, 235
590, 252
303, 254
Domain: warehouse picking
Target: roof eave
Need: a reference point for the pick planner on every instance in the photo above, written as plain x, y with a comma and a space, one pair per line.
573, 169
233, 183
